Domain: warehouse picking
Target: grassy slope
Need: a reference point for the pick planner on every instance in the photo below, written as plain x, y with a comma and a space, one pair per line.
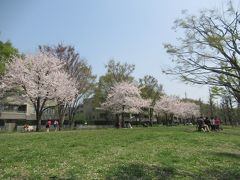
150, 153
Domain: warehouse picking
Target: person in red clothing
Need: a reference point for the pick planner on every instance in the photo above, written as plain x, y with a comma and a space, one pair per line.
49, 122
217, 123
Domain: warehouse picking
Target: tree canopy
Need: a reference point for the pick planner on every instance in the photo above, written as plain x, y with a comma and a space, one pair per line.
41, 77
174, 106
208, 53
116, 72
150, 88
79, 70
124, 97
6, 52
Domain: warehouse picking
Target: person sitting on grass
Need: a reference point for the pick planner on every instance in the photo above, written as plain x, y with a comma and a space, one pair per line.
200, 124
207, 124
145, 124
213, 124
25, 127
128, 124
206, 127
217, 123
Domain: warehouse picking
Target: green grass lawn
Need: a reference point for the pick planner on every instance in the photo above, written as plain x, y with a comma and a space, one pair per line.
139, 153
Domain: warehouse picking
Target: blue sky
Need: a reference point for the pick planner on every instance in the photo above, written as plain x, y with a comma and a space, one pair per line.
130, 31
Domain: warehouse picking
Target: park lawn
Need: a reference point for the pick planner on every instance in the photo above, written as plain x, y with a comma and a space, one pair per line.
138, 153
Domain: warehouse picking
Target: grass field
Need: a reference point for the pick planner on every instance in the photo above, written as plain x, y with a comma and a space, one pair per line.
140, 153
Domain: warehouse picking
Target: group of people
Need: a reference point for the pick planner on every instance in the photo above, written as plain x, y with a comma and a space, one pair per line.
49, 123
28, 128
206, 124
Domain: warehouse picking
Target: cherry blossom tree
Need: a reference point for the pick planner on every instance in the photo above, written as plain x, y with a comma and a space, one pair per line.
167, 105
187, 110
79, 70
41, 78
123, 98
170, 105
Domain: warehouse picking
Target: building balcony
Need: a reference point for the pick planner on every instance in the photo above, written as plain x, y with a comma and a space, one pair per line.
12, 115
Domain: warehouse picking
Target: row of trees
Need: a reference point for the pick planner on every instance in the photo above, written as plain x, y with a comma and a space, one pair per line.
149, 90
54, 75
222, 105
125, 97
170, 105
57, 75
208, 54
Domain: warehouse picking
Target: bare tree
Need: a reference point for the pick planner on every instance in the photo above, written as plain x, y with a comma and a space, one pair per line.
209, 53
227, 108
211, 104
80, 71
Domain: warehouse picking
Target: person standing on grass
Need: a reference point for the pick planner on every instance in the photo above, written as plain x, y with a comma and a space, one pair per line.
55, 125
48, 125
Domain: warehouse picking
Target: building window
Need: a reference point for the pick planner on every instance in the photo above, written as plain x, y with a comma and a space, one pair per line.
14, 108
22, 108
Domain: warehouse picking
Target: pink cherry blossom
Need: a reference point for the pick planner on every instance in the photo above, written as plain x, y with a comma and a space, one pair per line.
173, 105
167, 104
41, 78
125, 97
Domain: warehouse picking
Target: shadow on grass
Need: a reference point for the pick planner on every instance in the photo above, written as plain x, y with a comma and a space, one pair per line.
228, 155
230, 133
142, 171
221, 174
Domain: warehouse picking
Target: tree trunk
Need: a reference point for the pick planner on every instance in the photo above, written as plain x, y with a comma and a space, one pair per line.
158, 119
39, 108
123, 122
238, 114
118, 122
38, 115
228, 110
38, 118
61, 121
150, 116
72, 124
71, 116
171, 119
62, 108
166, 120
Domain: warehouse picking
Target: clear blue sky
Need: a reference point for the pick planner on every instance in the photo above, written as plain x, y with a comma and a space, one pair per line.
130, 31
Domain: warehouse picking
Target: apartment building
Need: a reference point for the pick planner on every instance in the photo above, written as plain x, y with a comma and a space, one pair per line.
17, 112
